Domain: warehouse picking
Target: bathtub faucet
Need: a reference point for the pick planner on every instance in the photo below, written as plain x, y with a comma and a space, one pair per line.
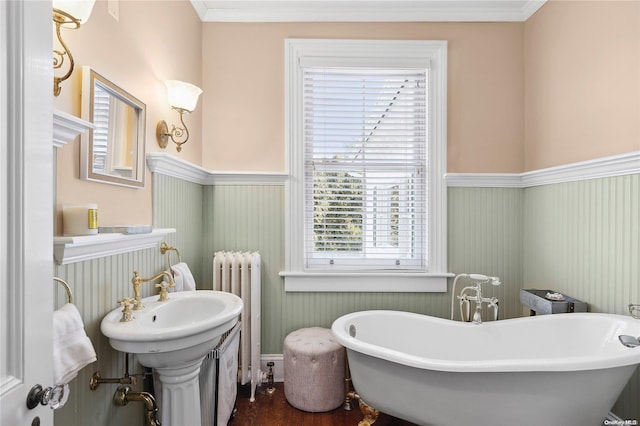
464, 298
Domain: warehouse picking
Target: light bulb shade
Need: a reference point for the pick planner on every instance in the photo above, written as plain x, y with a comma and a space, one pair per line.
182, 95
79, 9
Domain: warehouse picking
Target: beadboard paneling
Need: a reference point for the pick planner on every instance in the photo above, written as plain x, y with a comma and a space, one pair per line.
580, 238
249, 218
177, 204
484, 237
583, 239
96, 286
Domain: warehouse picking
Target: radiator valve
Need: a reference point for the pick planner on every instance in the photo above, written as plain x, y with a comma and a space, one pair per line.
270, 389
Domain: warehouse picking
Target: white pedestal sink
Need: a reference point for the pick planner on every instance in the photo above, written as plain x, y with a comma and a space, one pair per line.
173, 337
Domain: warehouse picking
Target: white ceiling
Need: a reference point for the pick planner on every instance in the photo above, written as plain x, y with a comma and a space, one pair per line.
365, 10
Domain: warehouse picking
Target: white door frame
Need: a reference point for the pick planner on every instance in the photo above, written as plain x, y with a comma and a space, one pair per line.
26, 201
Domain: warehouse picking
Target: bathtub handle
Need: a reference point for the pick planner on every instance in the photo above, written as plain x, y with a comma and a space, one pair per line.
629, 341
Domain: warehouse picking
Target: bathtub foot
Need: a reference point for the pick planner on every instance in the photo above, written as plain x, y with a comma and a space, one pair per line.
370, 414
347, 386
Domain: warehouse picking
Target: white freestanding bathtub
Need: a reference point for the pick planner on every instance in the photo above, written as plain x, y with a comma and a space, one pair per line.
551, 370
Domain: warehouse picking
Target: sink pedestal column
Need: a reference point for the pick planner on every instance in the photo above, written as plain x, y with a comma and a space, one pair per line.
180, 395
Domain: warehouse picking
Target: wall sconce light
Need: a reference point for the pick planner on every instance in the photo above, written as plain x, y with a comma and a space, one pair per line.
67, 14
183, 98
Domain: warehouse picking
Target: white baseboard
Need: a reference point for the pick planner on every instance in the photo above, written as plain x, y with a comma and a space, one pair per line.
278, 366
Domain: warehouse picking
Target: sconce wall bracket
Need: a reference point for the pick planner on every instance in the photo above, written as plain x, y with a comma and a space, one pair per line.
162, 134
62, 19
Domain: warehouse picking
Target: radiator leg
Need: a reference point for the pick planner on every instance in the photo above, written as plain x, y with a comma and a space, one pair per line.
370, 414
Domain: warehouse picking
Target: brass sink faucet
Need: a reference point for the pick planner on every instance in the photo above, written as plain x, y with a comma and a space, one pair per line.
137, 280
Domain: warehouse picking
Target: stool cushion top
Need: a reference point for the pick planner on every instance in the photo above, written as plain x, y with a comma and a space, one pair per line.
311, 341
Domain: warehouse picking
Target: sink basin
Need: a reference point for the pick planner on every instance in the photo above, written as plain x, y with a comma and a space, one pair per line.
173, 337
186, 320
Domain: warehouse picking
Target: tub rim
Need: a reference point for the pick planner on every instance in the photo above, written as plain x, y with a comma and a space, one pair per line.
629, 356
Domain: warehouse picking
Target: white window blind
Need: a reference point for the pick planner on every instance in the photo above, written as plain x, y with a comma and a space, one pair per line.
365, 168
101, 113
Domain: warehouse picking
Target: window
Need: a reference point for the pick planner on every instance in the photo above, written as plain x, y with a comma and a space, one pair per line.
365, 163
366, 142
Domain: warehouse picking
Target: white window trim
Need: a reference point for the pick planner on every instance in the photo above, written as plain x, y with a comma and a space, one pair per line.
397, 53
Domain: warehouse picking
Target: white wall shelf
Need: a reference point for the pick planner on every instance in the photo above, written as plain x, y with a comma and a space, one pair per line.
67, 127
77, 249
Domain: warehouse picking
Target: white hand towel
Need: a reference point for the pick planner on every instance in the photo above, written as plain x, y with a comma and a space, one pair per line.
72, 349
182, 277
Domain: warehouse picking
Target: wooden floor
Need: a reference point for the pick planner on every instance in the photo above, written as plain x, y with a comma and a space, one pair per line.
274, 410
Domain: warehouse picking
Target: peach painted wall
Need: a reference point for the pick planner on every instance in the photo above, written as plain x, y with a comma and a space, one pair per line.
560, 88
153, 41
582, 65
244, 85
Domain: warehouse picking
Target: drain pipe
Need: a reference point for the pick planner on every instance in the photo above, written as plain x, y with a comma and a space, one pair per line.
125, 395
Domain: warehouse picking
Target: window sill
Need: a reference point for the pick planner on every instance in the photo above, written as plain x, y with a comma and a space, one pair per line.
391, 282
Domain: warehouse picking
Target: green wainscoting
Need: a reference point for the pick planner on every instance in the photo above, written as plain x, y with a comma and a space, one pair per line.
178, 204
484, 232
579, 238
583, 239
250, 218
96, 286
485, 236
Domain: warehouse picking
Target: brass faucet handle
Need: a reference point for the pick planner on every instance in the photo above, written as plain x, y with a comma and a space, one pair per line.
126, 304
164, 294
127, 301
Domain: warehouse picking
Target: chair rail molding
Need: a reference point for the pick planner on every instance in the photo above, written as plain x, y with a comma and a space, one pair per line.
616, 165
169, 165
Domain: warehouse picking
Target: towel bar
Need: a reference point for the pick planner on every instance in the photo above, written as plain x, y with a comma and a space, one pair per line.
66, 287
164, 248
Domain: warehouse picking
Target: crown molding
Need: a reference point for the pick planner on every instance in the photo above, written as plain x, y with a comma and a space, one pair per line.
616, 165
365, 10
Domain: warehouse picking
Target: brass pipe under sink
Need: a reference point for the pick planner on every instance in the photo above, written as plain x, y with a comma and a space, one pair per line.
125, 395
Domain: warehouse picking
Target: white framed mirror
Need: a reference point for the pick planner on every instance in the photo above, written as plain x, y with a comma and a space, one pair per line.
113, 152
